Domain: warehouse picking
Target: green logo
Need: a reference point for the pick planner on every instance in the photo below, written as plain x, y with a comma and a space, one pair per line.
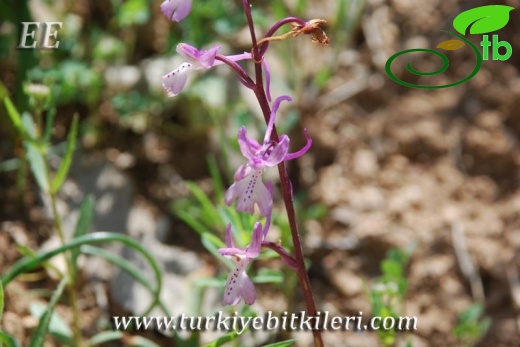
479, 20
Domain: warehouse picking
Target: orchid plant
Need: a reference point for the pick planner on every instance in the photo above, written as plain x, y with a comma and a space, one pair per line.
248, 188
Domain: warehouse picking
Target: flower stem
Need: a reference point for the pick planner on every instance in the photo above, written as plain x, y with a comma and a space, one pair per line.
284, 179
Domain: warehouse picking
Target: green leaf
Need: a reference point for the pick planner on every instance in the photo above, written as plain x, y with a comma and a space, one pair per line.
63, 170
13, 114
483, 19
8, 339
391, 269
223, 340
86, 213
49, 122
28, 263
216, 178
38, 337
105, 336
210, 211
34, 154
58, 328
268, 276
282, 343
191, 221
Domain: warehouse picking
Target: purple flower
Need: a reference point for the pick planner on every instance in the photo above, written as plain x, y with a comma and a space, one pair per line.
176, 10
248, 188
238, 284
174, 82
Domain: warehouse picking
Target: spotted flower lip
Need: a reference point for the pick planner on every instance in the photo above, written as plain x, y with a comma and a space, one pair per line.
248, 189
175, 81
239, 285
176, 10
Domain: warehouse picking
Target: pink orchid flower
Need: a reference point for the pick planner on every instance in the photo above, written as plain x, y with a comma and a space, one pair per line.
176, 10
175, 81
239, 285
248, 188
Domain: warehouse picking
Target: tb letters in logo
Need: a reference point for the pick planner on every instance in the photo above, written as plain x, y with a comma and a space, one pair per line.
476, 21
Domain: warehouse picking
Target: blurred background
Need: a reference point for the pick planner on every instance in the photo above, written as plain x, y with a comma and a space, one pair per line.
408, 200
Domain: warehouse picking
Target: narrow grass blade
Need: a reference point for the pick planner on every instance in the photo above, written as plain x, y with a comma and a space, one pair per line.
58, 328
63, 170
86, 212
191, 221
216, 178
8, 340
26, 264
34, 154
49, 123
37, 165
105, 336
209, 209
120, 262
38, 337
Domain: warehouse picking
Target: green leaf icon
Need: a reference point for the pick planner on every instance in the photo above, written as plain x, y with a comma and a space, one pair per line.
483, 19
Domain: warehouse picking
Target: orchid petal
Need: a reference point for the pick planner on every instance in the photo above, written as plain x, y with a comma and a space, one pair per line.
233, 286
238, 57
207, 58
229, 237
278, 152
302, 151
188, 52
174, 82
272, 118
253, 250
248, 192
176, 10
242, 171
248, 146
247, 289
232, 251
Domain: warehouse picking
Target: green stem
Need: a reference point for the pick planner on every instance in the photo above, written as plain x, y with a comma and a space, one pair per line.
71, 268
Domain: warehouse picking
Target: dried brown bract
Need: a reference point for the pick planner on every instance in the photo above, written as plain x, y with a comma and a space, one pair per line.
313, 28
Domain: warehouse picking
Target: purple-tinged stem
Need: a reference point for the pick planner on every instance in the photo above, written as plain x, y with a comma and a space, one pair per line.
284, 179
275, 27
